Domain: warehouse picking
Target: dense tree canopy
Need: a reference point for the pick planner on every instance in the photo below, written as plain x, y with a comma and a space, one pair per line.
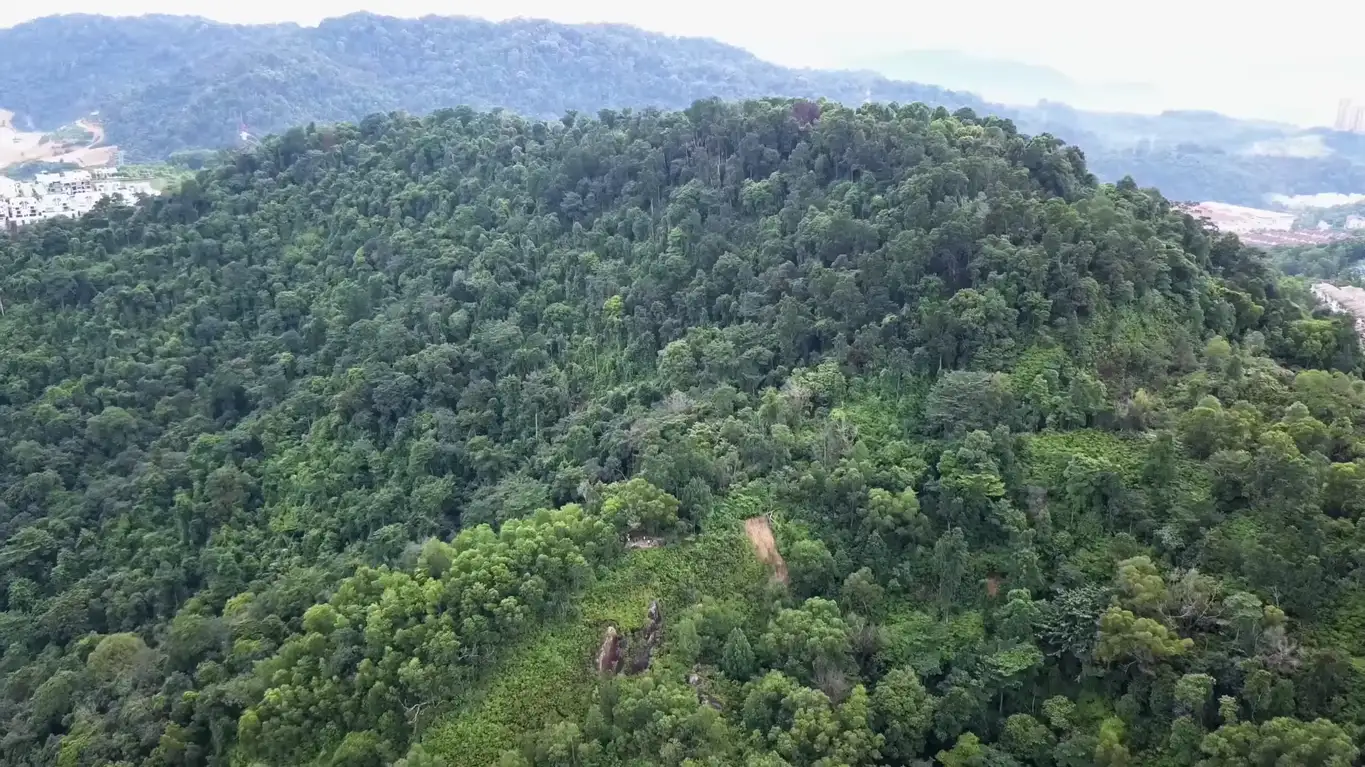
326, 457
1338, 261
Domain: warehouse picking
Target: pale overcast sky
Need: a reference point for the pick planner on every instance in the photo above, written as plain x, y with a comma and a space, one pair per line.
1291, 60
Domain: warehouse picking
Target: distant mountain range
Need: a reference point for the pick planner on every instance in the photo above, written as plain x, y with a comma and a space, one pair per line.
167, 83
1003, 80
164, 83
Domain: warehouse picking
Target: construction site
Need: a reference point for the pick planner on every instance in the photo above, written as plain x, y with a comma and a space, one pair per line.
91, 172
1261, 227
18, 147
1347, 299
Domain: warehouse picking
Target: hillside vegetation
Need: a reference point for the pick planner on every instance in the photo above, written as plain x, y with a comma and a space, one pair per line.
342, 454
164, 84
167, 83
1338, 262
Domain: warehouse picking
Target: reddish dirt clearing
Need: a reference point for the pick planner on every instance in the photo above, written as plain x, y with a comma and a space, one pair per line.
761, 538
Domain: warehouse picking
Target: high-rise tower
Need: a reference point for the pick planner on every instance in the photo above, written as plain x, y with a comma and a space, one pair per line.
1351, 116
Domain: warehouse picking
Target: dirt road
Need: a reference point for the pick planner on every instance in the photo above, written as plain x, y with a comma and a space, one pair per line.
761, 537
18, 147
96, 132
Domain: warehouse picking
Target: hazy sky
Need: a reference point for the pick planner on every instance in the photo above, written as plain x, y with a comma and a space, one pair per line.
1291, 60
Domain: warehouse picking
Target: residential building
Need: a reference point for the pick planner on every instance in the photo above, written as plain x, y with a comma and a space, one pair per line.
70, 182
51, 195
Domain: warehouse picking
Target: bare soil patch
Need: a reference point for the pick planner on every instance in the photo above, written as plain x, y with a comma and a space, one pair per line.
993, 586
18, 147
1344, 298
760, 535
96, 131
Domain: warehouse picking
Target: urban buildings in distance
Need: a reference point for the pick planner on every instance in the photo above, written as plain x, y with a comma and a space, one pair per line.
71, 193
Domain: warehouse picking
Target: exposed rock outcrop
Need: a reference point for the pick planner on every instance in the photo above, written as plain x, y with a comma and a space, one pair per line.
609, 653
636, 650
698, 683
647, 639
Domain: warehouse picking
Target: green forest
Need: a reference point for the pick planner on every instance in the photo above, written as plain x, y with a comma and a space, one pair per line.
1338, 261
168, 84
774, 433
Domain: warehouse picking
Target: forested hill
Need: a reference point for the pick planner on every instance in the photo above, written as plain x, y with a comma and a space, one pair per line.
164, 83
168, 83
352, 450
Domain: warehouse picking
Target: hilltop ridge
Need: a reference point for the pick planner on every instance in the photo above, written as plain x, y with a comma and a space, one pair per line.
340, 454
168, 83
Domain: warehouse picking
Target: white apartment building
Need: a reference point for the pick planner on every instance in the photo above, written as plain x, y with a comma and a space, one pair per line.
70, 182
61, 194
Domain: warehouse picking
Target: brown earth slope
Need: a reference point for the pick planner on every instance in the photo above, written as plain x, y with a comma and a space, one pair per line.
761, 537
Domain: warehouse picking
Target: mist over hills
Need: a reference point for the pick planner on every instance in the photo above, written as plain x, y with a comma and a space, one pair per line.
1004, 80
168, 83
